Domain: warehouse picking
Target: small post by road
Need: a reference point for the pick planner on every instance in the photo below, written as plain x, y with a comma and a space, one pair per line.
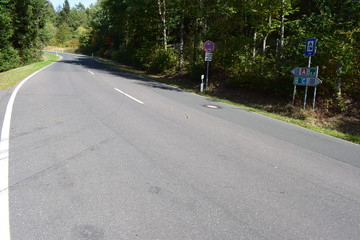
209, 47
305, 96
202, 84
313, 107
293, 100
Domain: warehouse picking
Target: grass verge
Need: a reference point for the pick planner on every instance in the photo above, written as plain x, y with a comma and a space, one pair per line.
10, 78
300, 122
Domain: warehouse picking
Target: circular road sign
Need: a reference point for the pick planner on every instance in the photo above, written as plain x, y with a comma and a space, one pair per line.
209, 46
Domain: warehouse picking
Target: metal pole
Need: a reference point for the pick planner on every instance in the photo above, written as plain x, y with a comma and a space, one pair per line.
207, 75
314, 98
293, 100
306, 90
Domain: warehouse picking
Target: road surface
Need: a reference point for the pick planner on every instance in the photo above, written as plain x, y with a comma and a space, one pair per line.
101, 154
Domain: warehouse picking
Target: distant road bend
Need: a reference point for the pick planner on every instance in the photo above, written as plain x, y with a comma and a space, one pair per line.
96, 153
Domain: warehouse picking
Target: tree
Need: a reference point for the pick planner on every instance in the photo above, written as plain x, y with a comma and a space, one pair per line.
63, 15
257, 42
29, 23
8, 55
63, 33
77, 18
162, 13
80, 7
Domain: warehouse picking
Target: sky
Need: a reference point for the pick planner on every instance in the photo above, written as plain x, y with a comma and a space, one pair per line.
72, 3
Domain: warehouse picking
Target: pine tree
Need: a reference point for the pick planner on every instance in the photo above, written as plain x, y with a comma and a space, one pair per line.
64, 13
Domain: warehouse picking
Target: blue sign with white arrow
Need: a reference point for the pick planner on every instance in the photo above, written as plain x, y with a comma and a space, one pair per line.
310, 47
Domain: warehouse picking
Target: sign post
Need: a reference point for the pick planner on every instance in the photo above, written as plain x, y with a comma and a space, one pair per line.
307, 76
310, 49
207, 75
313, 106
209, 47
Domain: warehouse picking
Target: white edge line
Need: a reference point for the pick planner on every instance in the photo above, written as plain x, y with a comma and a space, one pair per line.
136, 100
4, 162
91, 72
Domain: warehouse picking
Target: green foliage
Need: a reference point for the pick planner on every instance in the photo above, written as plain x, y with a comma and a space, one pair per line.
63, 34
63, 15
22, 33
50, 32
9, 58
67, 26
8, 55
10, 78
164, 61
257, 42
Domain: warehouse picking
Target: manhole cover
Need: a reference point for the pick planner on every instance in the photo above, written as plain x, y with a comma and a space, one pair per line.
211, 106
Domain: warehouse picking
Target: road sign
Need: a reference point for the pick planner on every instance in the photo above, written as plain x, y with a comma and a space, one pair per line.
208, 56
307, 76
305, 72
310, 47
307, 81
209, 46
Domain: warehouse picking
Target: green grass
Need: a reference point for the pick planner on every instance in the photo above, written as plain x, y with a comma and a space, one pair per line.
10, 78
299, 122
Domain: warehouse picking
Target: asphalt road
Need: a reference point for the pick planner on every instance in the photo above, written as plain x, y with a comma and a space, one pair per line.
100, 154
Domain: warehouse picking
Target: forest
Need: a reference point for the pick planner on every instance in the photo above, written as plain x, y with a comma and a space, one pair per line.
257, 42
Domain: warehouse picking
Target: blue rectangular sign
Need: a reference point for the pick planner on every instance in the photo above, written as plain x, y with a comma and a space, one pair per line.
310, 47
306, 81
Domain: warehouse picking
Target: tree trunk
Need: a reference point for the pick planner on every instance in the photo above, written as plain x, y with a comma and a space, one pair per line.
195, 42
254, 47
181, 57
264, 44
266, 36
162, 13
282, 29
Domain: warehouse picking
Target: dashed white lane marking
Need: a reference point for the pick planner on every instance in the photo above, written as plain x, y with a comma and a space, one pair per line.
136, 100
4, 162
91, 72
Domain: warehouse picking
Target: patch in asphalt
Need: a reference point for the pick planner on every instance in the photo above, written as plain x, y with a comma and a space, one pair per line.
211, 106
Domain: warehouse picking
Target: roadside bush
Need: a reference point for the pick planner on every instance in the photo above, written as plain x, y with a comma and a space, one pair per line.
163, 61
9, 58
196, 70
74, 43
142, 57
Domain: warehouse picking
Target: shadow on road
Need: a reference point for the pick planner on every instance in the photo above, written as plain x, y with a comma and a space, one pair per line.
91, 63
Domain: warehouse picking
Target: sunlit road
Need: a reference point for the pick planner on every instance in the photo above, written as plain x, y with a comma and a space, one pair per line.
100, 154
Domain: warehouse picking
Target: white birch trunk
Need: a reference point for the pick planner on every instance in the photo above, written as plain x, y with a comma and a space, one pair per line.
282, 29
162, 13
